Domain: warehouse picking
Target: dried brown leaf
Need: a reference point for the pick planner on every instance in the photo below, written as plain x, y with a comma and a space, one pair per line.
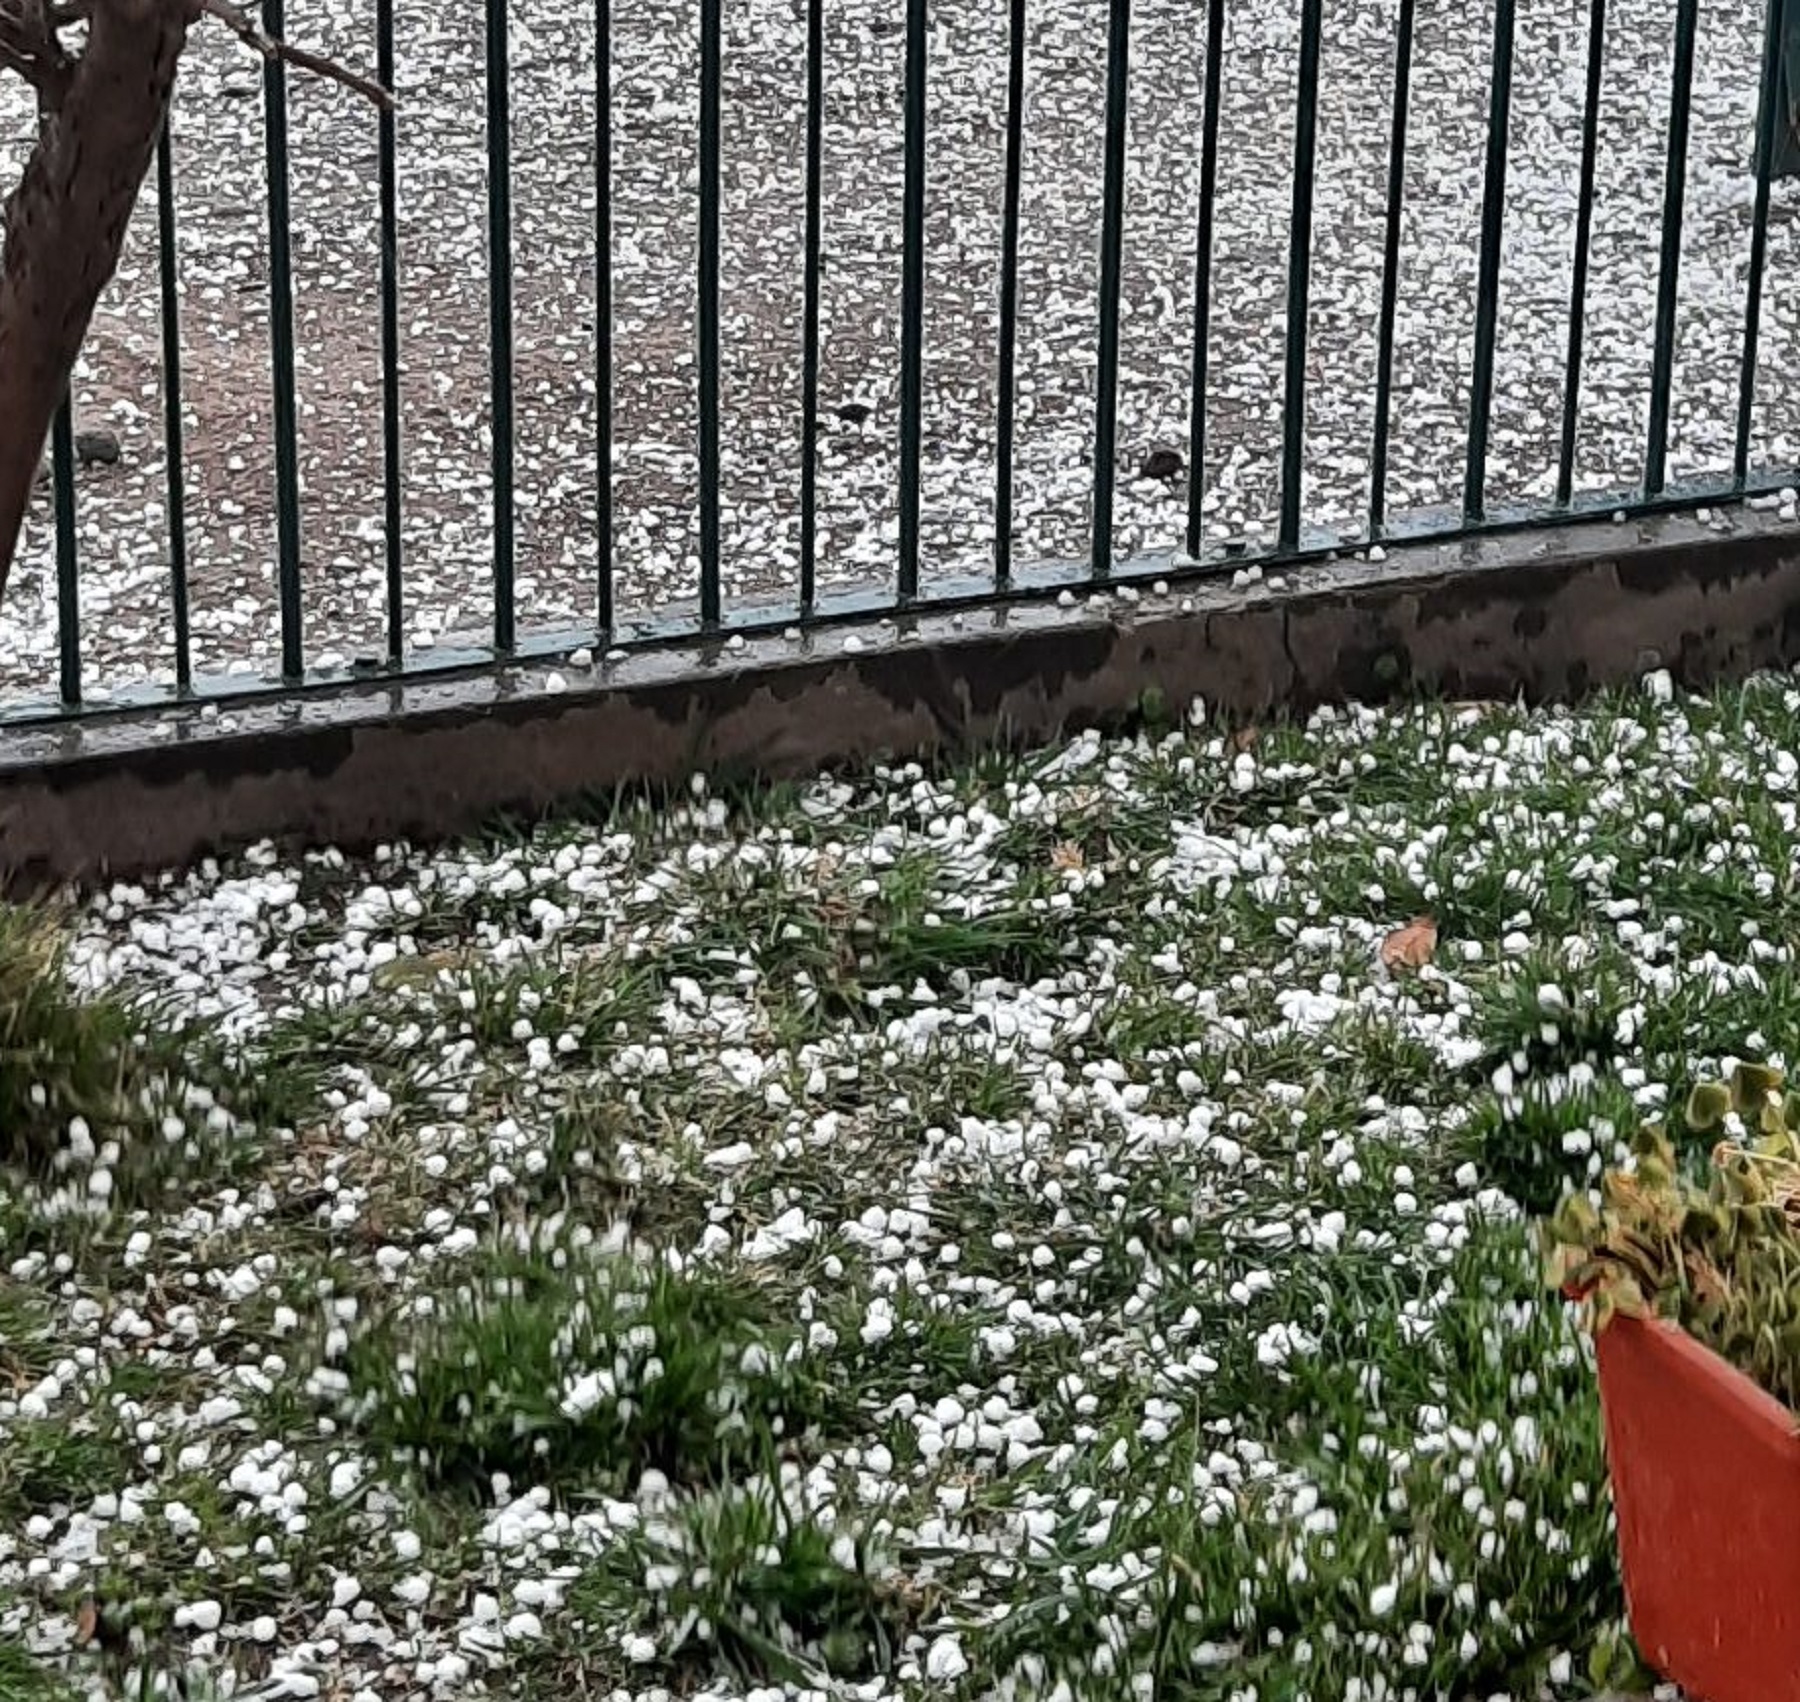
1411, 947
1708, 1282
1068, 856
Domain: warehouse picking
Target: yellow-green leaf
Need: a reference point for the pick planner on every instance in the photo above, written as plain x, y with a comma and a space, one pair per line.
1708, 1105
1751, 1085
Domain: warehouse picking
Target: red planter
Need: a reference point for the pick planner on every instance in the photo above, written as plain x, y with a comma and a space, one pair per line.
1706, 1483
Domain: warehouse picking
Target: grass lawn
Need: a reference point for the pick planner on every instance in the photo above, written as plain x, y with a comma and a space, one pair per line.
998, 1233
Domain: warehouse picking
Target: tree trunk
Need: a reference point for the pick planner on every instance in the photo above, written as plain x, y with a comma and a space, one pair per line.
65, 224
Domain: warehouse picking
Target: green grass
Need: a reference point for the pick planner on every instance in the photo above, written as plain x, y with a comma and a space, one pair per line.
756, 1592
482, 1383
957, 1231
25, 1679
60, 1057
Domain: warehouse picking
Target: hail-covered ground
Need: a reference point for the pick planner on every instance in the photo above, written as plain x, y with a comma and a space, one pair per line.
995, 1233
224, 285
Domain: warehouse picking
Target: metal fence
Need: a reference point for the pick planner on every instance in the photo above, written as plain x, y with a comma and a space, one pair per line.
1195, 554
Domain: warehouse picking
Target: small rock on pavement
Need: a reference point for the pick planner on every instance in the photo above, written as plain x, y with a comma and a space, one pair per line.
92, 449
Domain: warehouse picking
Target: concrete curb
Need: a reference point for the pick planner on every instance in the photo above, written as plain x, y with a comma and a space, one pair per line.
1547, 614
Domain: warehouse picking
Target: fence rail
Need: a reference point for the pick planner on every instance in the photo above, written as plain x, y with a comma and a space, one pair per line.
1194, 549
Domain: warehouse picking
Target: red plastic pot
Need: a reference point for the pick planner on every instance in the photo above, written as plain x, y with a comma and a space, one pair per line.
1706, 1484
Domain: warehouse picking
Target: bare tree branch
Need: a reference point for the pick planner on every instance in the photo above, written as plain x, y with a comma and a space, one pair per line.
30, 49
243, 26
102, 102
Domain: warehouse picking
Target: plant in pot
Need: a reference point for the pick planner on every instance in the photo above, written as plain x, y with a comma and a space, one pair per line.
1691, 1285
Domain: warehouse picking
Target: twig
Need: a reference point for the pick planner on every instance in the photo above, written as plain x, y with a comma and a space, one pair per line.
243, 26
29, 47
46, 73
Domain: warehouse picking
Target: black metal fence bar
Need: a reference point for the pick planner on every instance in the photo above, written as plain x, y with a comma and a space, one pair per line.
1299, 295
1487, 286
605, 613
813, 261
1112, 262
711, 94
1668, 291
500, 321
1584, 243
68, 565
174, 435
1298, 532
281, 347
1007, 384
1390, 270
1767, 116
912, 305
1203, 263
388, 152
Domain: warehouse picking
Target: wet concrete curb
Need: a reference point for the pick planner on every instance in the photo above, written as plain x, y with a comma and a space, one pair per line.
1548, 614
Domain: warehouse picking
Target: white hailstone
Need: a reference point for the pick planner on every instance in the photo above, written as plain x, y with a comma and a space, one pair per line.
1382, 1599
181, 1519
199, 1616
945, 1660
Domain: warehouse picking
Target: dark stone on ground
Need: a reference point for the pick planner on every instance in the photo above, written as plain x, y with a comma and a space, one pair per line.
92, 449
